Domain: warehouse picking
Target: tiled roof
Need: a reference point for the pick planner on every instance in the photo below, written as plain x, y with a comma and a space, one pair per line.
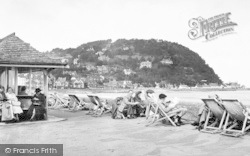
13, 50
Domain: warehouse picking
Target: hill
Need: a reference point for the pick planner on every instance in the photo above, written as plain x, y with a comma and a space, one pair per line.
140, 61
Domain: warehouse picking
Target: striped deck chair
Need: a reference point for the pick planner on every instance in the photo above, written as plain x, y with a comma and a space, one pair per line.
75, 103
240, 116
102, 108
220, 114
160, 115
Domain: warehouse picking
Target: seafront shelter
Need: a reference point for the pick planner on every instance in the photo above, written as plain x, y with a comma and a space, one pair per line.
17, 57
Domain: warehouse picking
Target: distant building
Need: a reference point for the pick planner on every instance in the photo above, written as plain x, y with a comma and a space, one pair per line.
146, 64
128, 71
61, 83
103, 58
99, 53
75, 61
167, 61
90, 49
125, 48
102, 69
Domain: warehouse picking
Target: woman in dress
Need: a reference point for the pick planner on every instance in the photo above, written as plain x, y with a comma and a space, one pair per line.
36, 110
7, 110
16, 105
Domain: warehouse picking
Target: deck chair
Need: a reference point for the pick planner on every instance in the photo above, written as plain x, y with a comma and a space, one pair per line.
240, 116
160, 115
220, 114
75, 103
102, 108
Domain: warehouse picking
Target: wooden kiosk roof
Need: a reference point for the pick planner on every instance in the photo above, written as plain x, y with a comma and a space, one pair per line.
14, 52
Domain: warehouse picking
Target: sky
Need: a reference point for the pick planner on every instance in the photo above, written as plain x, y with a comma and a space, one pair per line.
49, 24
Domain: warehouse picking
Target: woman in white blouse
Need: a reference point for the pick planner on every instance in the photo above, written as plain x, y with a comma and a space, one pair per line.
16, 105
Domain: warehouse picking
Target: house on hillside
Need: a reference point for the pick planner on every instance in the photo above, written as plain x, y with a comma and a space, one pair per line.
61, 83
146, 64
89, 66
91, 49
167, 61
78, 83
128, 71
75, 61
99, 53
125, 48
103, 58
104, 49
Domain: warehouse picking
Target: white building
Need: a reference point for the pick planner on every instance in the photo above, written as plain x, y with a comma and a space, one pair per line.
146, 64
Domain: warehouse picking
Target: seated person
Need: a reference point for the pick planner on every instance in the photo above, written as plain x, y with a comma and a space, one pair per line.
23, 91
203, 111
25, 102
127, 104
7, 110
150, 99
16, 105
40, 96
141, 107
118, 109
36, 110
170, 107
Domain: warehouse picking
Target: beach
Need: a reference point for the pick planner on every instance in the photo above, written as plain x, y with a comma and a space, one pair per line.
82, 134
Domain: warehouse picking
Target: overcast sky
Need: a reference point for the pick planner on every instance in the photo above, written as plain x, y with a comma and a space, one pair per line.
48, 24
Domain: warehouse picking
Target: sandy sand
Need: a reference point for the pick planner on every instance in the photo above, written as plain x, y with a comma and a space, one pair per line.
86, 135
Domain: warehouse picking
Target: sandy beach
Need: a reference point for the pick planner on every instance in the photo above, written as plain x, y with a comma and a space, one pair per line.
82, 134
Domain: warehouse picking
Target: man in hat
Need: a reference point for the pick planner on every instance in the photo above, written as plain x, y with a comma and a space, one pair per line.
41, 97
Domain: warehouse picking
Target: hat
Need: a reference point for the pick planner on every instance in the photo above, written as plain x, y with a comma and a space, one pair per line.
150, 91
162, 96
38, 90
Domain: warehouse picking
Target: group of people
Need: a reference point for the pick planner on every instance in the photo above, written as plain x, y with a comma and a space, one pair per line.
139, 104
11, 110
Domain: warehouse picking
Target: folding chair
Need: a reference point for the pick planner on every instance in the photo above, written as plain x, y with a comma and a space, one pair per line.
218, 111
237, 112
160, 115
102, 108
75, 103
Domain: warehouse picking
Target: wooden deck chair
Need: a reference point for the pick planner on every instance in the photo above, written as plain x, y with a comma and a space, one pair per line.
75, 103
102, 109
238, 113
220, 114
160, 115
